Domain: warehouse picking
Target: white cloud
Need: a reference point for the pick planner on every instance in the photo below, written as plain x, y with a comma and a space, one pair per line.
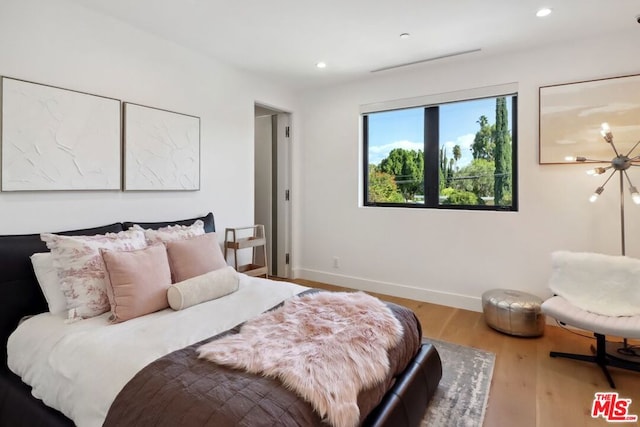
609, 109
465, 142
555, 109
379, 152
565, 141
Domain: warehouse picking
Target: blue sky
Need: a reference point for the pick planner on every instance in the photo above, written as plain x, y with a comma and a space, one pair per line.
404, 128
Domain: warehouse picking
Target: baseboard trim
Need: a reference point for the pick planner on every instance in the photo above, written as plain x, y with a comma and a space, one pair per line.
394, 289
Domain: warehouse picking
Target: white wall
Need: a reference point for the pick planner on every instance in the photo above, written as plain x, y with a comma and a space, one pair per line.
446, 256
60, 43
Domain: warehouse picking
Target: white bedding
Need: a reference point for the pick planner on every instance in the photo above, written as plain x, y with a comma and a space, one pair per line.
79, 368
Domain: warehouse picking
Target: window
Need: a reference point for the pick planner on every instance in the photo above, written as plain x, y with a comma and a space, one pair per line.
459, 155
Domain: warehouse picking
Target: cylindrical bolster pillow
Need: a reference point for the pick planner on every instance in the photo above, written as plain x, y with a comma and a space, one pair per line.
212, 285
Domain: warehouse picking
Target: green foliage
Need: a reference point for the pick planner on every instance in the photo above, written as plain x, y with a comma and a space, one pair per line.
400, 176
446, 168
457, 153
382, 187
477, 177
460, 197
483, 144
502, 190
407, 167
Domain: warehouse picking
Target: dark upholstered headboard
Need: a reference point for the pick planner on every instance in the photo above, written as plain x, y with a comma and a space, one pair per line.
209, 225
20, 294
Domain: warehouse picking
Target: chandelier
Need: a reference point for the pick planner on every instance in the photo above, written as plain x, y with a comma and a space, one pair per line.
620, 163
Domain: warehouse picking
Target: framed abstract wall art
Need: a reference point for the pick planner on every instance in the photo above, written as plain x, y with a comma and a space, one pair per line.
58, 139
571, 116
162, 149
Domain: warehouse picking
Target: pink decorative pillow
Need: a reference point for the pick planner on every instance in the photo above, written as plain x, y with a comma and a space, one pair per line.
137, 281
171, 233
81, 269
194, 257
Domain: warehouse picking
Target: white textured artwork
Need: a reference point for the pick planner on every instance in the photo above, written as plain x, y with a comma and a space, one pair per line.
58, 139
162, 149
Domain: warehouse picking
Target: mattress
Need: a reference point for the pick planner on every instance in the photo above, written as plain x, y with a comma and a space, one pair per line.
64, 362
181, 389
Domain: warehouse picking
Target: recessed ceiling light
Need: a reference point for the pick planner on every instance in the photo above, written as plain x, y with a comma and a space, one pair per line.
545, 11
405, 35
321, 64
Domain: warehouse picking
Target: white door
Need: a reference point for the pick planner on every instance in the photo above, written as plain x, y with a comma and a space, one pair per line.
272, 183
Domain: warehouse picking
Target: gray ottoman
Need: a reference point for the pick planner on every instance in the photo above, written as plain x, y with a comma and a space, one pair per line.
513, 312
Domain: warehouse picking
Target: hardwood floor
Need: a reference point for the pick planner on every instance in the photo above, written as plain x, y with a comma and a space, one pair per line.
528, 387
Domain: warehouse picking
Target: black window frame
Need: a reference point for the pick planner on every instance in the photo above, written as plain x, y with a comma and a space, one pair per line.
431, 152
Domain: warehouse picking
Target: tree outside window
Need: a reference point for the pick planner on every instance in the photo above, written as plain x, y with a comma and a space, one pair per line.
475, 153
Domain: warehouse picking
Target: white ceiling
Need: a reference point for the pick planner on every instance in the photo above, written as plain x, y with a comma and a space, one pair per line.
284, 39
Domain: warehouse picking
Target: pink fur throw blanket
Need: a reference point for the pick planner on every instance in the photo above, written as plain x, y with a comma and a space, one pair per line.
326, 346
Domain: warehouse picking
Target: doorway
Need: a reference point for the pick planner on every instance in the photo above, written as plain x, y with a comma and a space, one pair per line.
272, 178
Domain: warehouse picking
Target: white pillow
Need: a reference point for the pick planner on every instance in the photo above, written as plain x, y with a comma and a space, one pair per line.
206, 287
171, 233
47, 276
81, 268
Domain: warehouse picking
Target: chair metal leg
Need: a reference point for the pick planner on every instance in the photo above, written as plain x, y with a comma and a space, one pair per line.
599, 359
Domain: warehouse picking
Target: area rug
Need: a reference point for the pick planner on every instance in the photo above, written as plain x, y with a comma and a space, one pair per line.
461, 397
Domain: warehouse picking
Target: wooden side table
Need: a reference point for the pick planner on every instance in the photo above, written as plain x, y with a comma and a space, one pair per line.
251, 237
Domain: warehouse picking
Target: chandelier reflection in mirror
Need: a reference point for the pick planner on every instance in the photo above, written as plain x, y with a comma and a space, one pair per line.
620, 163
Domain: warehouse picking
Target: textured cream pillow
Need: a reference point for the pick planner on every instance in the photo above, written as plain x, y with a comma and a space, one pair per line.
81, 269
172, 232
137, 281
206, 287
194, 257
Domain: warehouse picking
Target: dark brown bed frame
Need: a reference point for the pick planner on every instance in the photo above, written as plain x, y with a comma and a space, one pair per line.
20, 295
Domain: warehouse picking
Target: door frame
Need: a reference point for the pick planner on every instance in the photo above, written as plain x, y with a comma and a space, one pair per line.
281, 192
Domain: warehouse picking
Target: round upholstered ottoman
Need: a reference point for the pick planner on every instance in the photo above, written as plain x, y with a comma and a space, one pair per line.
513, 312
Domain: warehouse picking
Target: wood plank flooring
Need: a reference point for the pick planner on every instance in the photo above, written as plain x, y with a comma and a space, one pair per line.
528, 387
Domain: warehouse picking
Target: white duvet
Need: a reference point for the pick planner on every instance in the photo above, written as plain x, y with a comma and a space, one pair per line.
79, 368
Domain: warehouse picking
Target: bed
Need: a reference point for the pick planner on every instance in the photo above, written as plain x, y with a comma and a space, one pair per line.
401, 401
